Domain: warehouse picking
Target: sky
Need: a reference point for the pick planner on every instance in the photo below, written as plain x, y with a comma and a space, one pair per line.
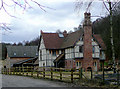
58, 14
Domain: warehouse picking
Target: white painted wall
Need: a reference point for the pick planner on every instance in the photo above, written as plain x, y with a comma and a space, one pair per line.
47, 58
71, 53
96, 54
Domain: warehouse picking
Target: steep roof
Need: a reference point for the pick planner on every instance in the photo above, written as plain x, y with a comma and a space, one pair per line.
52, 40
100, 41
72, 38
22, 51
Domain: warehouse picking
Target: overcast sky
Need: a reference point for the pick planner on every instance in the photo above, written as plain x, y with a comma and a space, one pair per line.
27, 26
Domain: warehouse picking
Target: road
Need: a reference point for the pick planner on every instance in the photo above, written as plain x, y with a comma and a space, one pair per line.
21, 81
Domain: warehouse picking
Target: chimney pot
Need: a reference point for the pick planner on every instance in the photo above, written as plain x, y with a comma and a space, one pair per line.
87, 20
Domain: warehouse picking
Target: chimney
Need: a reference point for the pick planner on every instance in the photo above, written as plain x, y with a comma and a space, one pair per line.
65, 32
41, 31
87, 26
87, 20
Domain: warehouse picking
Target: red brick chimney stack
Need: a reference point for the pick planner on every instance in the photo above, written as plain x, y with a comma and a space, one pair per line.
87, 25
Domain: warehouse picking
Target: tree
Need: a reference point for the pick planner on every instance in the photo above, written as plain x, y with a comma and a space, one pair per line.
110, 7
14, 4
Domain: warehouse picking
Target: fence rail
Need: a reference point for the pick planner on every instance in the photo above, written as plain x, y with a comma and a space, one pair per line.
62, 74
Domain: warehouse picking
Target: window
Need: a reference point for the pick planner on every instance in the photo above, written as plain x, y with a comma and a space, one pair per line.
79, 63
93, 49
14, 54
40, 54
81, 49
94, 64
54, 52
50, 51
61, 35
76, 63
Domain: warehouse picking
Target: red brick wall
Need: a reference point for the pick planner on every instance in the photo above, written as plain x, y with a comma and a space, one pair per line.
69, 64
88, 60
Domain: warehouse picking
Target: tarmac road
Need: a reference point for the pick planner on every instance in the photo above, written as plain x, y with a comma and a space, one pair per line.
21, 81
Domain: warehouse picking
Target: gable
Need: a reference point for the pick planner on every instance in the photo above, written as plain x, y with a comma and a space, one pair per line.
99, 40
52, 40
42, 46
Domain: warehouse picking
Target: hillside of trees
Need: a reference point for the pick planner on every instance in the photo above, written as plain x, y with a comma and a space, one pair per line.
102, 27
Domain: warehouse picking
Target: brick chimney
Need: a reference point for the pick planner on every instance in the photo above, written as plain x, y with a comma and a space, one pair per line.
87, 25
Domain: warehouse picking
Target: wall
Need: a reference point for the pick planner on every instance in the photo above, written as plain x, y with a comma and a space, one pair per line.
47, 55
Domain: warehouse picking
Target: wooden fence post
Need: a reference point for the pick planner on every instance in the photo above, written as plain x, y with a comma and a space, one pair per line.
13, 70
118, 77
71, 75
9, 71
27, 71
60, 75
38, 72
43, 72
16, 70
23, 70
51, 73
31, 71
19, 70
103, 73
2, 70
6, 71
81, 73
91, 74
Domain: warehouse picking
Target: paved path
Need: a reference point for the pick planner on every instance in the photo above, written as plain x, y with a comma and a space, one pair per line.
21, 81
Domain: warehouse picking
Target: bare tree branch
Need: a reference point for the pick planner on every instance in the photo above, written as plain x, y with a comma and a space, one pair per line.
23, 4
106, 6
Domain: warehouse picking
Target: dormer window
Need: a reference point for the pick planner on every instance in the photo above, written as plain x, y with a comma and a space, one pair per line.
14, 54
61, 35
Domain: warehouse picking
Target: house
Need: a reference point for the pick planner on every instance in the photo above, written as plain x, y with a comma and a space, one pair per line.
2, 51
19, 55
79, 49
